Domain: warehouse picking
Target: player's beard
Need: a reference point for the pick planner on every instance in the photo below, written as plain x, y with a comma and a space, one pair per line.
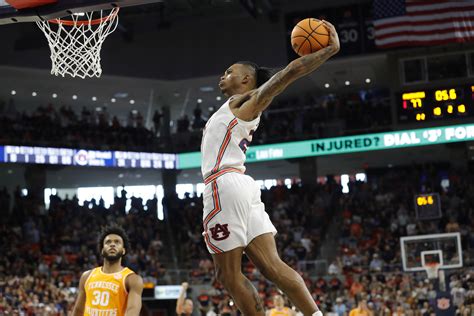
112, 258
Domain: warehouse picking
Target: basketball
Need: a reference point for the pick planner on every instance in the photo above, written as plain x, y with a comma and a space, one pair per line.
309, 36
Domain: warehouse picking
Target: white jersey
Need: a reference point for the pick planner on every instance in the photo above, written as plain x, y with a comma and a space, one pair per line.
225, 140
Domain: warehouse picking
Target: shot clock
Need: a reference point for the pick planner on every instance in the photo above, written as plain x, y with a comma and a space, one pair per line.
427, 206
436, 104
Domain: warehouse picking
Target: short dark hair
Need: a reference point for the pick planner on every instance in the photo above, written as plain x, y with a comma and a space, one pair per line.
263, 74
112, 229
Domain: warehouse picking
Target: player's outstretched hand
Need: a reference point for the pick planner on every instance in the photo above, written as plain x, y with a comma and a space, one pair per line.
185, 285
333, 37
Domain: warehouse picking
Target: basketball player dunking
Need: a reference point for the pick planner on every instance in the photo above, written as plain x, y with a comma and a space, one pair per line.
234, 217
111, 289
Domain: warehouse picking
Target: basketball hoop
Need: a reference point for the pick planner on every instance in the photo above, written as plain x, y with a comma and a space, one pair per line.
432, 269
76, 42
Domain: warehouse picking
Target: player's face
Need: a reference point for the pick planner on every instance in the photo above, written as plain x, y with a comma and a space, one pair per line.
188, 306
113, 248
233, 78
278, 301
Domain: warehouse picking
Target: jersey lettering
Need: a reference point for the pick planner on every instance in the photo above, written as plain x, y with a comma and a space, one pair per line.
244, 143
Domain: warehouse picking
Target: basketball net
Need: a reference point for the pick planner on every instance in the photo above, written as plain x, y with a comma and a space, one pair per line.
76, 42
432, 270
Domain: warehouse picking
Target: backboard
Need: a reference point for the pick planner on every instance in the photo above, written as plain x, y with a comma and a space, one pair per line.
37, 10
444, 249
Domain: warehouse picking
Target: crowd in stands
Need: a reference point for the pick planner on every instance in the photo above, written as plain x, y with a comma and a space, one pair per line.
63, 127
47, 250
324, 116
301, 215
287, 119
367, 272
305, 117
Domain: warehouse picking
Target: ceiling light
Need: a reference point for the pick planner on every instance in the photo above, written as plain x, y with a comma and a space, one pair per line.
347, 82
206, 89
94, 98
54, 95
326, 85
218, 98
199, 100
121, 95
132, 101
34, 94
74, 97
13, 92
367, 80
113, 100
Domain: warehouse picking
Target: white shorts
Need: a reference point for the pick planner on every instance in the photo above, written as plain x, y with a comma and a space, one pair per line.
233, 213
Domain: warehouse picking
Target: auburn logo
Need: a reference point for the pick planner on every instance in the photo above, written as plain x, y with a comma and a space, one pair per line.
219, 232
443, 303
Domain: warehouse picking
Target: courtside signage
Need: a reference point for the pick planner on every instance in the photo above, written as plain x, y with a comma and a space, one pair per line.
167, 292
348, 144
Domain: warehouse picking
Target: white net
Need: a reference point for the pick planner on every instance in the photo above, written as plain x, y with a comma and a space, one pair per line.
432, 270
75, 43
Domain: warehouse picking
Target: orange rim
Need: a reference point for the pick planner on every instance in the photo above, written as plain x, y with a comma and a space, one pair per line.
81, 23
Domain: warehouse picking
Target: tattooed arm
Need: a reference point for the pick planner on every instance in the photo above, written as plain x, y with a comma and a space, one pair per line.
258, 100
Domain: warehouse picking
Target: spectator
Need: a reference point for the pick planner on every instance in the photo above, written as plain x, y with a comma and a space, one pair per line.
157, 116
356, 287
361, 310
459, 294
340, 309
183, 124
335, 267
279, 307
184, 306
376, 264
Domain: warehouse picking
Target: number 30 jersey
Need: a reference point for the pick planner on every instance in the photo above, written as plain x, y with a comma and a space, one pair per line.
106, 293
225, 140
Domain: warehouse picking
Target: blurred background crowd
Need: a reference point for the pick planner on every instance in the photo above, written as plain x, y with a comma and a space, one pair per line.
46, 250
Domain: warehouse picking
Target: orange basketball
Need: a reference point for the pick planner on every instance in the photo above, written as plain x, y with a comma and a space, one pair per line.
309, 36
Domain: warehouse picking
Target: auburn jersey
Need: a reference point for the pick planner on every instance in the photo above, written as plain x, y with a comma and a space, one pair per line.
106, 293
225, 141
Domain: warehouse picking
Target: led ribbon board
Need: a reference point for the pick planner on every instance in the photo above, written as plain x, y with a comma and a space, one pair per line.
83, 157
309, 148
348, 144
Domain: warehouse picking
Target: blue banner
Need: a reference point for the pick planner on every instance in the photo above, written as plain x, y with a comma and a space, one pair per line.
86, 158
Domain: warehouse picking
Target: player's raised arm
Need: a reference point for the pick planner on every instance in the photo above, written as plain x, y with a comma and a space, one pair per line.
135, 289
181, 298
260, 99
81, 298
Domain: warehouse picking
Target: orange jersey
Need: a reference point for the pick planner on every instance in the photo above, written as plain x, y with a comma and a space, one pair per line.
106, 293
285, 311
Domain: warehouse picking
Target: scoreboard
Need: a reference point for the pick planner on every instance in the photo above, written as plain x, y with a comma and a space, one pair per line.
446, 102
427, 206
